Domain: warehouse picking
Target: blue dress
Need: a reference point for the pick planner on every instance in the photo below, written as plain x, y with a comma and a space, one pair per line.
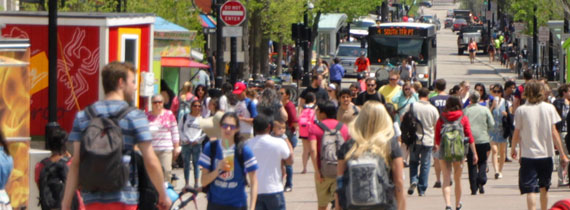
496, 132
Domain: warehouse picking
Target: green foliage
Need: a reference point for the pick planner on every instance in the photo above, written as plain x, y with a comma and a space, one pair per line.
353, 9
279, 16
523, 10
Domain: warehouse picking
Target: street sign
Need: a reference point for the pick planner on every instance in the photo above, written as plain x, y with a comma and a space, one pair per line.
543, 34
488, 14
519, 27
232, 13
232, 31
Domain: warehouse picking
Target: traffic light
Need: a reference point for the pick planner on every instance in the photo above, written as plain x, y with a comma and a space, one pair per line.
296, 31
305, 33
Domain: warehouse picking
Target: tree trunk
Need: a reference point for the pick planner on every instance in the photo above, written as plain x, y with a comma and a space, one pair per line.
279, 56
254, 38
245, 70
264, 55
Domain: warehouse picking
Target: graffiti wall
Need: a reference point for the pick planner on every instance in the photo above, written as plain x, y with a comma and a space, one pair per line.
78, 67
15, 120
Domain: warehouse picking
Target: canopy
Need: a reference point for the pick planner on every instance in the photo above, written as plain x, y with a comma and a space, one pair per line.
181, 62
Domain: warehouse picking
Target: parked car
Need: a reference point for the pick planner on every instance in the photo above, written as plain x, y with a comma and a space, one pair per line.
458, 23
448, 22
348, 53
476, 32
427, 4
430, 19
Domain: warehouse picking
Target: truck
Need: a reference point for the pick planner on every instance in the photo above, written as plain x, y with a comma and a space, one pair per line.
476, 32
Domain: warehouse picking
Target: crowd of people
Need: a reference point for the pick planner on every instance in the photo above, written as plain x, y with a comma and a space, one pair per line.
245, 138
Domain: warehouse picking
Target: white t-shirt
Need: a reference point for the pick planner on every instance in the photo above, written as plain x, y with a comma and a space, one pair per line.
269, 151
242, 111
224, 105
535, 123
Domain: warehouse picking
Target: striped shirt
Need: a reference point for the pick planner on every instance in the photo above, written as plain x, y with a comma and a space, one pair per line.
135, 130
164, 130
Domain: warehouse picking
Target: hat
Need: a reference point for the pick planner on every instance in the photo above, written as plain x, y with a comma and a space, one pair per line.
362, 53
211, 125
239, 88
332, 86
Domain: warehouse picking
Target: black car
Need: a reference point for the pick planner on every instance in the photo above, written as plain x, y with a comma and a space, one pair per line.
427, 4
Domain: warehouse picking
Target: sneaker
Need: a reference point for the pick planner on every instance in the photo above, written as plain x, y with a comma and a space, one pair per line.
450, 183
421, 193
288, 189
437, 185
481, 189
460, 206
412, 188
496, 175
448, 208
500, 175
406, 165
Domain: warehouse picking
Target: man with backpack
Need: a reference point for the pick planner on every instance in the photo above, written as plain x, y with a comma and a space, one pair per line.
519, 92
347, 111
246, 111
51, 174
418, 121
315, 87
326, 137
439, 102
100, 169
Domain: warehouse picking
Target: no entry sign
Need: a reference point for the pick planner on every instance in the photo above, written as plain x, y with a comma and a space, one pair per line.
232, 13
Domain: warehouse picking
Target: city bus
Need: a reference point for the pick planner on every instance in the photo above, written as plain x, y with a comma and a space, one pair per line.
389, 43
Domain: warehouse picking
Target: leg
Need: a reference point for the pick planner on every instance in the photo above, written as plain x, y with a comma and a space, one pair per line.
424, 169
502, 155
494, 158
457, 170
289, 169
482, 153
543, 198
306, 152
530, 201
196, 150
446, 188
544, 178
405, 152
472, 172
414, 162
186, 153
437, 167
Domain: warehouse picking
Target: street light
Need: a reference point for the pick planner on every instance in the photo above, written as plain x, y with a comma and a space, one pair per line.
306, 38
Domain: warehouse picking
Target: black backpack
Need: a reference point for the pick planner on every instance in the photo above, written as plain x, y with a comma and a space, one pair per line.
409, 127
148, 196
240, 160
101, 167
51, 184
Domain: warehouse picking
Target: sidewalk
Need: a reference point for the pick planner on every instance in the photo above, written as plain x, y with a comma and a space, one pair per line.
502, 71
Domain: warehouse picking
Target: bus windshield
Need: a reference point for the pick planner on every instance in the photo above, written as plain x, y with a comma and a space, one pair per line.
397, 48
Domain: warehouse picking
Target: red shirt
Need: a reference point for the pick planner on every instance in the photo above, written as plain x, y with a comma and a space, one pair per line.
362, 64
316, 134
291, 115
452, 116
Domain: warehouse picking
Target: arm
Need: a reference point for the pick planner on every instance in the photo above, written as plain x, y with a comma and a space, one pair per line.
558, 143
437, 135
154, 170
253, 192
284, 114
208, 177
175, 137
289, 160
341, 166
475, 157
314, 160
515, 142
467, 129
398, 176
516, 104
72, 178
490, 120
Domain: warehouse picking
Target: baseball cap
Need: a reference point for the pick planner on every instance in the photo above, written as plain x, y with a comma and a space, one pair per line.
239, 87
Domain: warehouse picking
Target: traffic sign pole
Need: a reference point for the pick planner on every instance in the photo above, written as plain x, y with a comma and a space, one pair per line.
233, 13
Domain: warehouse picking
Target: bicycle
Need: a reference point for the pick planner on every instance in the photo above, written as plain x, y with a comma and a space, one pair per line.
184, 198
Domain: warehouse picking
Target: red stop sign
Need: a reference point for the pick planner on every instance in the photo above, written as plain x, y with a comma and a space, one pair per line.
232, 13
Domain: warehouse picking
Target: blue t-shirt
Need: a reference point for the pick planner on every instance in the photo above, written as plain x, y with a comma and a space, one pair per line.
135, 130
439, 102
336, 72
228, 188
251, 107
6, 166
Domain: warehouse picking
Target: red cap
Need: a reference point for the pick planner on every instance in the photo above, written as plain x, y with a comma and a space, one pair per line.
239, 88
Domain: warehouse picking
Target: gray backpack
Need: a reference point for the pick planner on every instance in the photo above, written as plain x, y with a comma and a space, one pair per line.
101, 167
366, 184
331, 143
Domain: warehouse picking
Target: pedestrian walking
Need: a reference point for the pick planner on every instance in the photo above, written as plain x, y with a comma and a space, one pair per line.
439, 101
165, 135
180, 103
371, 93
562, 105
464, 91
270, 104
491, 50
291, 131
452, 121
315, 88
336, 72
332, 89
225, 167
306, 120
191, 138
270, 152
347, 111
481, 121
536, 131
472, 47
501, 109
421, 150
246, 111
406, 96
519, 99
325, 180
321, 68
484, 98
95, 181
372, 134
6, 167
201, 92
392, 88
354, 91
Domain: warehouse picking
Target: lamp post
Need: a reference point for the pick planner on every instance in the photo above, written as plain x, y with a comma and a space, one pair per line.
306, 38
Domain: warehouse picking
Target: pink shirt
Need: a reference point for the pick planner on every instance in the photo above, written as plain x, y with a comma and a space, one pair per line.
316, 134
164, 130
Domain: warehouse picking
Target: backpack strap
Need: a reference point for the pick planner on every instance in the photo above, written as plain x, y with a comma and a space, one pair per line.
338, 127
241, 159
213, 150
91, 112
322, 126
355, 110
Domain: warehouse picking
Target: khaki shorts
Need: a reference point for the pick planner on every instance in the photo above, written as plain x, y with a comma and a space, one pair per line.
325, 191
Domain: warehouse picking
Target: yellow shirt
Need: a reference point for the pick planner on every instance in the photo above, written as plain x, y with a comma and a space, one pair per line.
389, 92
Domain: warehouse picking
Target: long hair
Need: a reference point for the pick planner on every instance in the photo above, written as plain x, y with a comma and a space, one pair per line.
372, 130
4, 143
453, 103
534, 92
237, 138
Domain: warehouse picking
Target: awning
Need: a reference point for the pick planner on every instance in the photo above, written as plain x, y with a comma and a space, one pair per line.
181, 62
207, 21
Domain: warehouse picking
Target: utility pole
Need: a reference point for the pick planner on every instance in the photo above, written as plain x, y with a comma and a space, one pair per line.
489, 22
220, 66
306, 37
52, 71
534, 38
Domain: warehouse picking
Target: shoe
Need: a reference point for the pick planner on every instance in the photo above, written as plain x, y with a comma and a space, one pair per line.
421, 193
437, 185
500, 175
288, 189
448, 208
460, 206
412, 188
508, 160
474, 192
450, 183
496, 175
406, 165
481, 189
304, 171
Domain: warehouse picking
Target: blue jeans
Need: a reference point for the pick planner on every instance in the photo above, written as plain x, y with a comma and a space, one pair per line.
273, 201
289, 169
420, 153
191, 153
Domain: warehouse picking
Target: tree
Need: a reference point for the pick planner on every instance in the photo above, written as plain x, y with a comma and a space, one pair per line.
523, 10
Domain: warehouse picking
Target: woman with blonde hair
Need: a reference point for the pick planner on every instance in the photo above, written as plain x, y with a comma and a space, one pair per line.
373, 132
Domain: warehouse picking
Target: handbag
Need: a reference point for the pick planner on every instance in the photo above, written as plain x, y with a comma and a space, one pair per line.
507, 122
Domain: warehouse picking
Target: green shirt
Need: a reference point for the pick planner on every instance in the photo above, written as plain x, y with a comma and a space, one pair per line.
481, 121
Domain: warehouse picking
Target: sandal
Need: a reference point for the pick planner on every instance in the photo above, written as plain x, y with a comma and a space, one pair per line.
459, 207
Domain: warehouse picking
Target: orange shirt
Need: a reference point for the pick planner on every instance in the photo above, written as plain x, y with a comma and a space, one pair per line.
362, 64
473, 46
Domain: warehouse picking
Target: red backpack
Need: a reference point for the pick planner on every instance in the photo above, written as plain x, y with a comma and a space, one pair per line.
561, 205
306, 119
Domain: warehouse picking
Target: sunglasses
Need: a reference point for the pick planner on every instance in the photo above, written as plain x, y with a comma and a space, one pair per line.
407, 89
496, 91
226, 126
196, 105
393, 79
157, 102
370, 85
